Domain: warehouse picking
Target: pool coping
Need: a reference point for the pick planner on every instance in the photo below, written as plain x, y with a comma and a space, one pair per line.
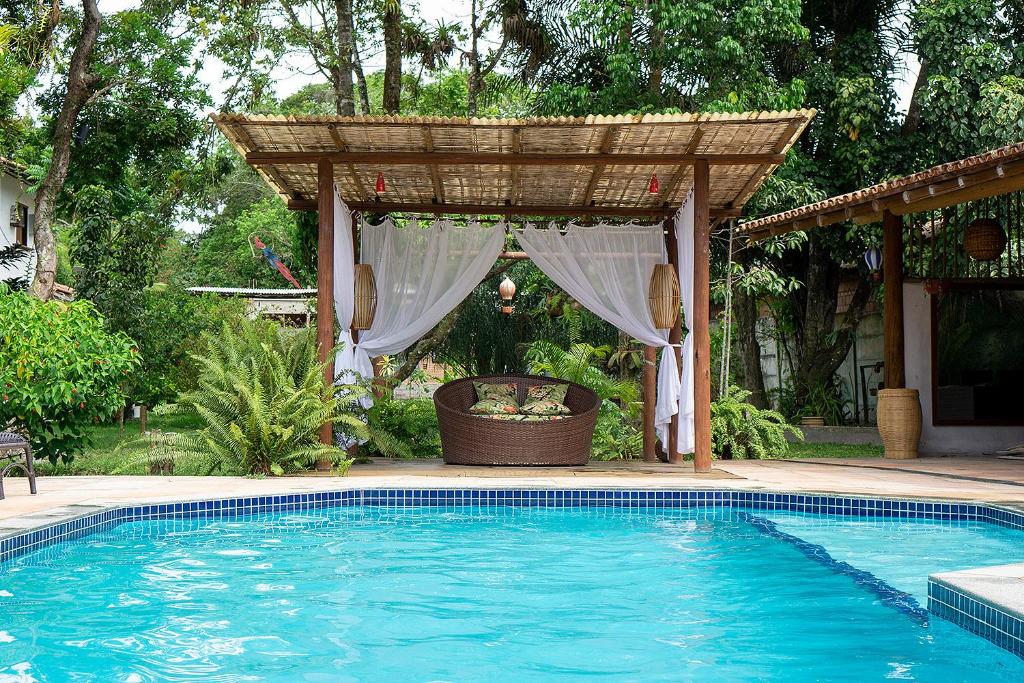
987, 601
985, 616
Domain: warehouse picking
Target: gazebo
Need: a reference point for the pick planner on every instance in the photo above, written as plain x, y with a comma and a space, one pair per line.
953, 230
627, 167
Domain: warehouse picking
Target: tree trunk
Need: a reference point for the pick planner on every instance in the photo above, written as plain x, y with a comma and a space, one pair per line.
392, 56
79, 87
473, 79
746, 312
344, 99
364, 93
821, 345
913, 119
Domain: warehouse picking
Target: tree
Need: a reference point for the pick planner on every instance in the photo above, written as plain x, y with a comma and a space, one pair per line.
81, 84
391, 17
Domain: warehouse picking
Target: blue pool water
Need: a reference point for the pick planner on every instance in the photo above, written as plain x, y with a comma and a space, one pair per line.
499, 594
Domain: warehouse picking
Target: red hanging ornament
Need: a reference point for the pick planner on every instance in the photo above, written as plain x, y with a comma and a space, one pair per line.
654, 187
380, 182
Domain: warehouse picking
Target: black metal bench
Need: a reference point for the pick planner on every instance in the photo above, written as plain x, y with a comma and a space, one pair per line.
15, 442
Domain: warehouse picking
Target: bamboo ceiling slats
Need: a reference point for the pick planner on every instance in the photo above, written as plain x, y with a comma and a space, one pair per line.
592, 164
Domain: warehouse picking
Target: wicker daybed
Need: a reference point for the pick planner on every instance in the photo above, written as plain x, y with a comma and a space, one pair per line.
468, 439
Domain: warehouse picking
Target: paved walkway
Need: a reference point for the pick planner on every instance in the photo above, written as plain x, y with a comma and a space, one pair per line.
961, 478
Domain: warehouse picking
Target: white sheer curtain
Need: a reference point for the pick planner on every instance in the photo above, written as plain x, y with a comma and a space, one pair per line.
608, 270
421, 273
684, 245
344, 288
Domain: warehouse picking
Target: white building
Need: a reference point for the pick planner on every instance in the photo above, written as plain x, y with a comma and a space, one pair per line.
16, 217
291, 306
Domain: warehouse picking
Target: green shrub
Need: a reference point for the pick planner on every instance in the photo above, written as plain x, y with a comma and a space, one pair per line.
616, 434
170, 336
406, 428
740, 430
60, 371
262, 398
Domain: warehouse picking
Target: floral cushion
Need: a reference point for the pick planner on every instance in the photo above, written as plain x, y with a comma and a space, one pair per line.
495, 399
524, 418
546, 399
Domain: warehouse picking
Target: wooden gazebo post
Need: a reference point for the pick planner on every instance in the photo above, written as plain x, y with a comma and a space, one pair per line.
700, 326
325, 277
892, 304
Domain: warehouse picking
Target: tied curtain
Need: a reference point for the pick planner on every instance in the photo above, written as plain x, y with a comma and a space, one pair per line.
683, 225
608, 269
421, 273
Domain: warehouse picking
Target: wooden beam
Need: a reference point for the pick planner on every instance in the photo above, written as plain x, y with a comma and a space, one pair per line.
325, 278
504, 158
650, 391
598, 171
435, 176
515, 210
342, 146
675, 338
892, 304
515, 191
700, 326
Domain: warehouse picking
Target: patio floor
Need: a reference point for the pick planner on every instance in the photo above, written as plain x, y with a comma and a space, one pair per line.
984, 478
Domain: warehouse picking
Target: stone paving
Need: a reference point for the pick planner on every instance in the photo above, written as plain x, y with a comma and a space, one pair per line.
956, 478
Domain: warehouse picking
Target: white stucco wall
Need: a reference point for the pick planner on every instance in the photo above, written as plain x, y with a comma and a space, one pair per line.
917, 331
12, 191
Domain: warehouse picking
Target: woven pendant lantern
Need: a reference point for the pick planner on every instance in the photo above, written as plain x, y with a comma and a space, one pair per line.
365, 297
984, 239
663, 296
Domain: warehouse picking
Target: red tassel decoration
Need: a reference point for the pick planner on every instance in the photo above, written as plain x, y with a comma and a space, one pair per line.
654, 187
380, 182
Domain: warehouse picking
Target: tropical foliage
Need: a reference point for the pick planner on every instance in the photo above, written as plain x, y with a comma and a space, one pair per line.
60, 371
740, 430
617, 434
262, 398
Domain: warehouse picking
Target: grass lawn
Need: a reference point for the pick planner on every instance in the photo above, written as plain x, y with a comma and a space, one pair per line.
104, 456
833, 450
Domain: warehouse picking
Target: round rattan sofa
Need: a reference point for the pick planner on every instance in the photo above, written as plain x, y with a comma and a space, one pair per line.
468, 439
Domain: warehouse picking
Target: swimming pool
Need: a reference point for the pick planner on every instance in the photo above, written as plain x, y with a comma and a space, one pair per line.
458, 592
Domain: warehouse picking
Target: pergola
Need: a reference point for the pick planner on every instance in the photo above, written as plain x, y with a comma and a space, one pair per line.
598, 166
924, 217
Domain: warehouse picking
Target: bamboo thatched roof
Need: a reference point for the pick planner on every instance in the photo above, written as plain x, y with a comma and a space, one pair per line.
596, 164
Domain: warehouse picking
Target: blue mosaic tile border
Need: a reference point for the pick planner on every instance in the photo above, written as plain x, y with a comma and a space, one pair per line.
877, 508
981, 618
889, 596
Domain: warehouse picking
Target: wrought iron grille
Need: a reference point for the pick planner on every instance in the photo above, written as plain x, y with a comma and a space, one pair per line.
933, 241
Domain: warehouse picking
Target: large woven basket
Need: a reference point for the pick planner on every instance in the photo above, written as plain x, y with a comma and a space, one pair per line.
899, 422
468, 439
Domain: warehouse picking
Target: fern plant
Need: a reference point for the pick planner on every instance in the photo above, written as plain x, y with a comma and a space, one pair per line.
262, 398
740, 430
578, 364
616, 434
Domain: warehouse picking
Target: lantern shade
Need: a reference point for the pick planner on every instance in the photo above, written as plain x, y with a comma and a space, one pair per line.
873, 259
365, 297
507, 289
380, 187
984, 239
654, 187
663, 296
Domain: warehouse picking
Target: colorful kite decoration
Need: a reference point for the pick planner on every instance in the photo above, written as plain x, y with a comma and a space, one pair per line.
275, 262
